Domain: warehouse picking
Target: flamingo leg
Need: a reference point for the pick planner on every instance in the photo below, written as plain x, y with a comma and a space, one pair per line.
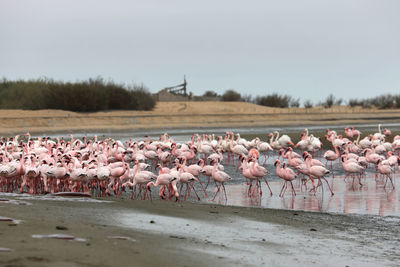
223, 187
198, 198
205, 193
328, 185
293, 191
268, 185
216, 192
284, 185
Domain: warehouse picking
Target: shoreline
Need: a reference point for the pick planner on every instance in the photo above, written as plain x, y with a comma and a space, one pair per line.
191, 115
192, 234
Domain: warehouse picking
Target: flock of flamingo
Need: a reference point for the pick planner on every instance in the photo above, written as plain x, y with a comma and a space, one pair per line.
105, 167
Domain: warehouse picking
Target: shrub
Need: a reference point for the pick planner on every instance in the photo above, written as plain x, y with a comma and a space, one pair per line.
331, 100
247, 98
231, 95
210, 94
279, 101
84, 96
308, 104
354, 103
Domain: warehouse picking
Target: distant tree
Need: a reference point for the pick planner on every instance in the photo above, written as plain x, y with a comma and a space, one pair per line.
354, 102
141, 97
247, 98
294, 103
82, 96
231, 95
210, 93
396, 100
331, 100
275, 100
308, 104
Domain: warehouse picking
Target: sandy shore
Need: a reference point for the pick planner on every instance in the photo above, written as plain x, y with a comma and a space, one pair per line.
189, 234
167, 115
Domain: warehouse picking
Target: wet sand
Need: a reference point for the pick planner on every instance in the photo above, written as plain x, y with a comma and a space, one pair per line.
191, 234
181, 115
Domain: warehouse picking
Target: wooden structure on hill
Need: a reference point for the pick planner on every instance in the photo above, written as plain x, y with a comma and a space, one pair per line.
179, 93
179, 89
174, 93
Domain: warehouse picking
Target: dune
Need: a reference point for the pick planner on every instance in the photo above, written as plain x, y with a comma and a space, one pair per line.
185, 115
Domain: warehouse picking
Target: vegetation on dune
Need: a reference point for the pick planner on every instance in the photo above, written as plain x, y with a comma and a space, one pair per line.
231, 95
385, 101
99, 95
85, 96
276, 100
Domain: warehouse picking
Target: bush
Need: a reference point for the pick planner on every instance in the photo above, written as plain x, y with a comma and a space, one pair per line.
279, 101
86, 96
308, 104
330, 101
231, 95
386, 101
142, 97
354, 102
247, 98
294, 103
210, 94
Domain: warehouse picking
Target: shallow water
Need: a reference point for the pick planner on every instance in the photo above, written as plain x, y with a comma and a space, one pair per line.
250, 242
371, 198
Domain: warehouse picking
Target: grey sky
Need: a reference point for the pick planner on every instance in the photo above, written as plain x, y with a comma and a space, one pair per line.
306, 49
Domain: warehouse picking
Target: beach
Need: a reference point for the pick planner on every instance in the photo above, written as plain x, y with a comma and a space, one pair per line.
142, 233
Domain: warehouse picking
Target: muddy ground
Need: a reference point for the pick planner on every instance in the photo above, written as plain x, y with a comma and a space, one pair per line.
126, 232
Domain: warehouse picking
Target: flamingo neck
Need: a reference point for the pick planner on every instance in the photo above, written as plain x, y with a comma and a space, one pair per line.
308, 163
277, 136
337, 150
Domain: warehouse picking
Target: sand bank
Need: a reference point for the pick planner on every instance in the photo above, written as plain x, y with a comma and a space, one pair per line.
188, 234
168, 115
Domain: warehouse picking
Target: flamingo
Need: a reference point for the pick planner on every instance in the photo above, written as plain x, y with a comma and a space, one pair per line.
284, 140
332, 156
286, 174
352, 168
219, 177
317, 172
259, 172
385, 170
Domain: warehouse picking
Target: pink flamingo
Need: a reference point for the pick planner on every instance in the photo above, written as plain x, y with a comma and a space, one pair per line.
247, 174
352, 168
259, 172
286, 174
385, 170
219, 177
332, 156
317, 172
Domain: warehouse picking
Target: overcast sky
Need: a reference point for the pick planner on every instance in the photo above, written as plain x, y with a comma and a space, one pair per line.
306, 49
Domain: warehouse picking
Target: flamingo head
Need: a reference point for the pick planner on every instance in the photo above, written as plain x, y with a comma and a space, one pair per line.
277, 162
173, 179
305, 155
